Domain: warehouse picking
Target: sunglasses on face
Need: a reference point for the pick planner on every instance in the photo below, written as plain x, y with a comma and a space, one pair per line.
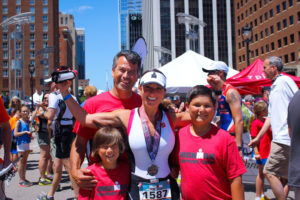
213, 72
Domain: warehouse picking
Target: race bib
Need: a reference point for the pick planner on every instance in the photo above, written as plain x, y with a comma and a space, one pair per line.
157, 191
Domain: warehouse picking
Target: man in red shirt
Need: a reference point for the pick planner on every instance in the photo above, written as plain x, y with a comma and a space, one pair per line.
125, 71
6, 140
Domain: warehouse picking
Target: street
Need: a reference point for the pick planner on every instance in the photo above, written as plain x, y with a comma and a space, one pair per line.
15, 192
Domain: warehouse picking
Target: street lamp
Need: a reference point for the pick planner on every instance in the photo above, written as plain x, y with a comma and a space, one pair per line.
31, 71
247, 36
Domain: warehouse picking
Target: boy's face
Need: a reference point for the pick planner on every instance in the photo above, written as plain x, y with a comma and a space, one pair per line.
109, 155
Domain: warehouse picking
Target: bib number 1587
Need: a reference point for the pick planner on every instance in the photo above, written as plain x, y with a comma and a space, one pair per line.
156, 194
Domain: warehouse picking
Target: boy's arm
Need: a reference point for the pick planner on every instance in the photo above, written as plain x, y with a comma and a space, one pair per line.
237, 189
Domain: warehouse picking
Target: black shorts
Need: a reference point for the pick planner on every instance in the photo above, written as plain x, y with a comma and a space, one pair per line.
63, 142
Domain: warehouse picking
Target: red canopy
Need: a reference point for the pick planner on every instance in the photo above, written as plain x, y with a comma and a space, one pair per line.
251, 79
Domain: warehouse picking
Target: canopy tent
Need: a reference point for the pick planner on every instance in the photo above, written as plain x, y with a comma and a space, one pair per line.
185, 71
251, 79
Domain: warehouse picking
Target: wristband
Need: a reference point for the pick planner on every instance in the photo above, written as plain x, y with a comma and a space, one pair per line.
67, 97
217, 92
240, 148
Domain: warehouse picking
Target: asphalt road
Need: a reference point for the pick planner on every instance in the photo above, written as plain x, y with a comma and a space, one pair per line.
16, 192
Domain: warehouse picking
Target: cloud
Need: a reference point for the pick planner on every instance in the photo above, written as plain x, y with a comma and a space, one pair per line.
84, 8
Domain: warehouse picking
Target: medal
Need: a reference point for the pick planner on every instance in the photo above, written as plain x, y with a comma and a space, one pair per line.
152, 170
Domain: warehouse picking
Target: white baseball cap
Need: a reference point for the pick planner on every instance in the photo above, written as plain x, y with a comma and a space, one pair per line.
154, 77
217, 66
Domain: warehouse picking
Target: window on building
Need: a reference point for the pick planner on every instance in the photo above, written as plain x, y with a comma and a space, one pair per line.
19, 74
4, 2
293, 56
266, 16
32, 19
292, 38
255, 22
261, 35
66, 19
5, 64
45, 2
240, 59
271, 13
4, 10
290, 3
46, 55
45, 27
31, 27
286, 58
45, 10
5, 28
5, 55
4, 45
5, 73
238, 5
31, 2
251, 24
18, 54
32, 45
45, 44
261, 19
256, 37
279, 43
284, 22
18, 45
278, 26
278, 9
256, 52
262, 50
31, 9
18, 2
272, 29
272, 46
247, 13
284, 5
243, 57
4, 36
45, 36
31, 36
291, 18
45, 18
18, 9
32, 62
252, 54
299, 16
242, 3
250, 10
238, 19
285, 41
254, 7
239, 45
32, 54
266, 32
260, 3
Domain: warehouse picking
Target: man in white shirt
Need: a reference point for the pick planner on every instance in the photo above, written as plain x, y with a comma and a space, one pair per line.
281, 93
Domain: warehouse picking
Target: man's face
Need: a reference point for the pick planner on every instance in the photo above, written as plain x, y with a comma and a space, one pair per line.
125, 74
269, 70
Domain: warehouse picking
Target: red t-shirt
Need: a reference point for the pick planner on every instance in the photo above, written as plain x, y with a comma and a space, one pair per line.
4, 117
112, 184
264, 145
105, 102
207, 164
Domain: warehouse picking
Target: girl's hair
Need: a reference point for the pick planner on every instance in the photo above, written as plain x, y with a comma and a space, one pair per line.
107, 136
258, 108
200, 90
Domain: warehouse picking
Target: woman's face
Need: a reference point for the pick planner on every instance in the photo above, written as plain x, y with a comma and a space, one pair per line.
201, 110
152, 94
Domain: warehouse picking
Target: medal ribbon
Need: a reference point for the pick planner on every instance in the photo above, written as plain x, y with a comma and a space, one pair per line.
152, 142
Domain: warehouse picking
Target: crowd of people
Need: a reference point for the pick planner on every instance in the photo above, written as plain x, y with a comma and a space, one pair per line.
137, 143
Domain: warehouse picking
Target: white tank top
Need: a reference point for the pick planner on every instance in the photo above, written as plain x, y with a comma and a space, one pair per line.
138, 147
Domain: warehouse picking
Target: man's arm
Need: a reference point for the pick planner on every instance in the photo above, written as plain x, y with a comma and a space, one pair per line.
261, 133
83, 177
233, 98
6, 139
237, 189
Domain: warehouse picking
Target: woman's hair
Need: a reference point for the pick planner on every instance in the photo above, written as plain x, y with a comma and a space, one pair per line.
107, 136
90, 91
258, 108
18, 105
200, 90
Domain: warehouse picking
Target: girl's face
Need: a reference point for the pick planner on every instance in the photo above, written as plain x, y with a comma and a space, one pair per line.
25, 112
264, 113
109, 155
201, 110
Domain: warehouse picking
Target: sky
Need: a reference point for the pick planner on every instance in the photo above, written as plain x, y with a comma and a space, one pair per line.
99, 18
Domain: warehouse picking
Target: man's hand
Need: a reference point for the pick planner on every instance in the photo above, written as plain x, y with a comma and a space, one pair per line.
214, 81
84, 178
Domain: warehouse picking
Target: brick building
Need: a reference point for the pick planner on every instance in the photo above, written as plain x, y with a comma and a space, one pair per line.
65, 47
34, 42
276, 31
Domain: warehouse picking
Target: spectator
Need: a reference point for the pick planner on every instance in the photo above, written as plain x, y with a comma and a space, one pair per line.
89, 92
178, 104
15, 102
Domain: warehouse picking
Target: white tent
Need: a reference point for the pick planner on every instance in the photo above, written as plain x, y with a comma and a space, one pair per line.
185, 71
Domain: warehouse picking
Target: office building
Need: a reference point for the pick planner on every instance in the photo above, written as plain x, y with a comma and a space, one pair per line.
80, 51
275, 32
130, 22
31, 40
167, 39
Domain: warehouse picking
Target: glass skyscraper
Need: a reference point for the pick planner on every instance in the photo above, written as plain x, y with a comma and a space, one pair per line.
130, 23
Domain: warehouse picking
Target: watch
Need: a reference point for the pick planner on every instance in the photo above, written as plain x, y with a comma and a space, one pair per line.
240, 148
217, 92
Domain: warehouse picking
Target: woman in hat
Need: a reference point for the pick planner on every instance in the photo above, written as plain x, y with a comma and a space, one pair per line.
151, 137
